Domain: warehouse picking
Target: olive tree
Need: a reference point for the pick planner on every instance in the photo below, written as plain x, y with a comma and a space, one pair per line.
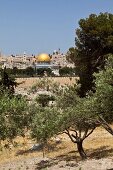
13, 116
64, 118
101, 100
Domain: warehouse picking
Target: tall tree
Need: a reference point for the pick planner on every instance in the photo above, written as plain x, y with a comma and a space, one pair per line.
93, 41
70, 56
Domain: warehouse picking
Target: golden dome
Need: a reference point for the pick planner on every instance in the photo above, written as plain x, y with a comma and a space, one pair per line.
43, 58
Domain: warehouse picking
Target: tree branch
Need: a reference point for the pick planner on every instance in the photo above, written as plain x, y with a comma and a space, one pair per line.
74, 131
86, 134
60, 133
90, 132
70, 136
105, 125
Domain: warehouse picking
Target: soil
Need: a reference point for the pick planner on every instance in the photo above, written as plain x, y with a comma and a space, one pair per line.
63, 155
39, 163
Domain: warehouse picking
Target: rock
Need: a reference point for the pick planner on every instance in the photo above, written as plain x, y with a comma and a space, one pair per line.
58, 140
37, 147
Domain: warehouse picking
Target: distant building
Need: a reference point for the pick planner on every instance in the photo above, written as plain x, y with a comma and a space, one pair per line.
54, 62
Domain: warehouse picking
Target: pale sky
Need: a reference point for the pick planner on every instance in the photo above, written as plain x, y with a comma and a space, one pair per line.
36, 26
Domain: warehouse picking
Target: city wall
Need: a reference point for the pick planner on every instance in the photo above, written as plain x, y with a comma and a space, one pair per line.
28, 82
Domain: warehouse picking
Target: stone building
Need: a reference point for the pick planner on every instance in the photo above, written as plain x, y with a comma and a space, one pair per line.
54, 62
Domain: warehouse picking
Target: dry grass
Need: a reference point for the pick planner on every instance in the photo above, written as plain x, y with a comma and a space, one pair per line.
98, 145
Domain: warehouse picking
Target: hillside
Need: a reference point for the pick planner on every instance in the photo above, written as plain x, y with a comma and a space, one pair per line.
62, 156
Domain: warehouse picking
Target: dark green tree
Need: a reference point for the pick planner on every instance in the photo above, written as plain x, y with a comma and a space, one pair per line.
7, 83
93, 41
70, 56
15, 71
41, 71
29, 71
67, 71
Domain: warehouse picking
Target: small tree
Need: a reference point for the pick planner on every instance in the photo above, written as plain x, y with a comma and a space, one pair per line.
44, 124
43, 99
7, 83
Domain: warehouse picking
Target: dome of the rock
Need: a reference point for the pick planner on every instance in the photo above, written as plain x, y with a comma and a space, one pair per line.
43, 58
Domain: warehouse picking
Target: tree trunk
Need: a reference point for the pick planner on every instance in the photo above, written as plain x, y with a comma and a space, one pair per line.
81, 150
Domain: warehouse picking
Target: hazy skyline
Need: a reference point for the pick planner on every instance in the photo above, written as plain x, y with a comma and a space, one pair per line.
36, 26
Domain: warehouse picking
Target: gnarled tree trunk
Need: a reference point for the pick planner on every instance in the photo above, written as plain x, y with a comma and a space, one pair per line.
78, 139
81, 150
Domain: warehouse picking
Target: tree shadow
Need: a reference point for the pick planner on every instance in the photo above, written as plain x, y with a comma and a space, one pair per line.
39, 148
101, 152
71, 158
31, 150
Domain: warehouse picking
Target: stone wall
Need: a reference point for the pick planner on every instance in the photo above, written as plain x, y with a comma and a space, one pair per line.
28, 82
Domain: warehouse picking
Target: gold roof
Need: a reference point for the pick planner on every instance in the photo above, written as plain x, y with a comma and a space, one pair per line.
43, 58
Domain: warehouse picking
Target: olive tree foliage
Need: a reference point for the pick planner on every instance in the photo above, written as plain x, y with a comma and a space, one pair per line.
13, 116
99, 104
45, 124
101, 100
48, 122
67, 96
13, 109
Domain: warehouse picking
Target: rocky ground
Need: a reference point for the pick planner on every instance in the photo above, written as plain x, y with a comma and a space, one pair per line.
64, 156
38, 163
